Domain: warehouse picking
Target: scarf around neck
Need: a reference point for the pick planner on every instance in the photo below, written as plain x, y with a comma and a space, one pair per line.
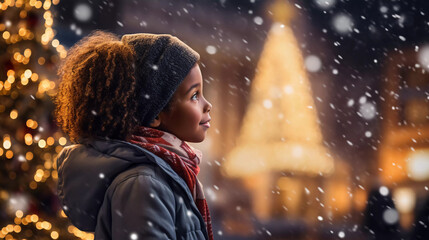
182, 158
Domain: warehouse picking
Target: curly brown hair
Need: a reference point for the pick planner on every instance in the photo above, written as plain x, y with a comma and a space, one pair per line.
98, 90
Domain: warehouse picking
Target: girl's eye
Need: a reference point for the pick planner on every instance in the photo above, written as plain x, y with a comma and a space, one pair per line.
194, 96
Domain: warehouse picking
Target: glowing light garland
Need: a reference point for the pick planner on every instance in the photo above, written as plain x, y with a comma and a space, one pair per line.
19, 77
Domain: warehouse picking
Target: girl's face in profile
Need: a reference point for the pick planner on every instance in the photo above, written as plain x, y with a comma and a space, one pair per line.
188, 114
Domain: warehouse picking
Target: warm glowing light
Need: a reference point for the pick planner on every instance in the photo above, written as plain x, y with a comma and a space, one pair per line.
6, 35
41, 60
55, 43
11, 79
10, 72
9, 154
418, 165
62, 141
28, 73
46, 6
27, 53
280, 130
49, 22
54, 174
24, 81
28, 139
42, 143
33, 185
34, 77
47, 15
405, 199
22, 32
45, 39
19, 214
29, 123
17, 220
63, 54
29, 156
23, 14
38, 4
17, 56
14, 114
50, 141
1, 151
46, 85
48, 164
7, 85
6, 143
54, 235
17, 228
46, 225
39, 226
39, 175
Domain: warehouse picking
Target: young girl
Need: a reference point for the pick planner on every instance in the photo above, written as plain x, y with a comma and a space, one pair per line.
129, 105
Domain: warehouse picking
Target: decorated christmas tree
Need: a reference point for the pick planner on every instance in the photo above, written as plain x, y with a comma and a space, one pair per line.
29, 137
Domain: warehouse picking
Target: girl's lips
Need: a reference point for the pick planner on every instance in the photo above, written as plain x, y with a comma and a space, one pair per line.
206, 124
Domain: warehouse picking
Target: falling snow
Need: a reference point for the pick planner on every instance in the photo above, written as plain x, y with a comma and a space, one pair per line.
83, 12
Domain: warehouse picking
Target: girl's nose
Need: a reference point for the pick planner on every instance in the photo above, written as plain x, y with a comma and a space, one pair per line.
207, 106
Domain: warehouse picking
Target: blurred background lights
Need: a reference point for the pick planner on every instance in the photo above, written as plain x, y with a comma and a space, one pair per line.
383, 190
83, 12
288, 89
390, 216
211, 49
325, 4
17, 202
312, 63
384, 9
133, 236
423, 56
367, 111
405, 199
368, 134
258, 20
418, 165
342, 23
267, 104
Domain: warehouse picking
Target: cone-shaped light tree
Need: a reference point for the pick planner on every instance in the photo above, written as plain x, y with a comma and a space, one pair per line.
280, 130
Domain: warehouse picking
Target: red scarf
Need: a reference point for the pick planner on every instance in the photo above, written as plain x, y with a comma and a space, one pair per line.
184, 160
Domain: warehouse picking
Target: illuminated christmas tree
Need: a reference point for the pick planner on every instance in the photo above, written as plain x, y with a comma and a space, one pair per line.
280, 130
29, 137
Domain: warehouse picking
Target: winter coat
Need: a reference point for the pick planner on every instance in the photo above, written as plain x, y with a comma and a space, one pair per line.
119, 190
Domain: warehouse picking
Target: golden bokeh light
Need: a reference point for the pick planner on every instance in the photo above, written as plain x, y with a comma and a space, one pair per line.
28, 138
62, 141
6, 35
14, 114
42, 143
50, 141
19, 214
29, 156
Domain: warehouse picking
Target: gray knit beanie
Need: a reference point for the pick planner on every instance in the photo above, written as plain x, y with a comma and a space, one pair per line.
162, 62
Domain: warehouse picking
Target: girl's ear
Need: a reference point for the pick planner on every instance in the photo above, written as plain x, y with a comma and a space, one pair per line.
156, 122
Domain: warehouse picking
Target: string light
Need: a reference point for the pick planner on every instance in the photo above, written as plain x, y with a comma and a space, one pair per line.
6, 142
29, 156
34, 219
13, 32
14, 114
